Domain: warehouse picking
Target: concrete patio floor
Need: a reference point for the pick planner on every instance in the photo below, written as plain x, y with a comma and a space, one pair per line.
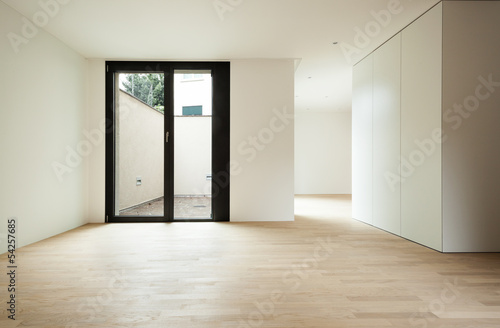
184, 208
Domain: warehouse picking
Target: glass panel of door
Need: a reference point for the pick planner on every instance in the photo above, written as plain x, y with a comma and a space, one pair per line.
192, 118
142, 123
139, 144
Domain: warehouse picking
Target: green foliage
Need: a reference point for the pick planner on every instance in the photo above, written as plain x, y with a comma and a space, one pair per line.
146, 87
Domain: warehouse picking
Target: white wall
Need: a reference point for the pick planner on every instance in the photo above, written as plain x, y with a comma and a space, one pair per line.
42, 109
471, 157
323, 153
262, 140
96, 120
262, 188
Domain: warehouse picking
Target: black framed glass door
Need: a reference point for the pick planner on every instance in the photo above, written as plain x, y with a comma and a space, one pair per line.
163, 119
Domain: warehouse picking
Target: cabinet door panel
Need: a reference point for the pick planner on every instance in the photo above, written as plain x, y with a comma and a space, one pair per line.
362, 109
386, 135
420, 128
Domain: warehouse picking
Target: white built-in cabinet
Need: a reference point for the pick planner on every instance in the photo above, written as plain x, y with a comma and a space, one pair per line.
362, 140
386, 134
420, 115
426, 130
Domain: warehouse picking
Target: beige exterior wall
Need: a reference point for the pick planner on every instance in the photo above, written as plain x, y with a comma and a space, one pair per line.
139, 152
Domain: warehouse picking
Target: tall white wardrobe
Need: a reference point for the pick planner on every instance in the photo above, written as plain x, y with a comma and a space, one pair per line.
426, 130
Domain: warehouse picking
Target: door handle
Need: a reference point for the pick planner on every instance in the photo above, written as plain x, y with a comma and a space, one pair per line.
167, 135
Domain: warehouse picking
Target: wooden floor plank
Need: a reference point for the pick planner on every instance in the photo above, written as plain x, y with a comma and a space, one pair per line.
323, 270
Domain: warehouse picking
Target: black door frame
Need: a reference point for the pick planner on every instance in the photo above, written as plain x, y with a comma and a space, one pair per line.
220, 136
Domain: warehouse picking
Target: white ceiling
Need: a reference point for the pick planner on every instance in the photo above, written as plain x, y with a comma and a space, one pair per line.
194, 30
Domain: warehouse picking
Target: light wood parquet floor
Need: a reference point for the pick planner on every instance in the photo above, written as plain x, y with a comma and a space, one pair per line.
323, 270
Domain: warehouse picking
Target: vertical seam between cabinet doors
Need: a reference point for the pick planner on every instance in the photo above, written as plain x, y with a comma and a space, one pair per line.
400, 132
441, 126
